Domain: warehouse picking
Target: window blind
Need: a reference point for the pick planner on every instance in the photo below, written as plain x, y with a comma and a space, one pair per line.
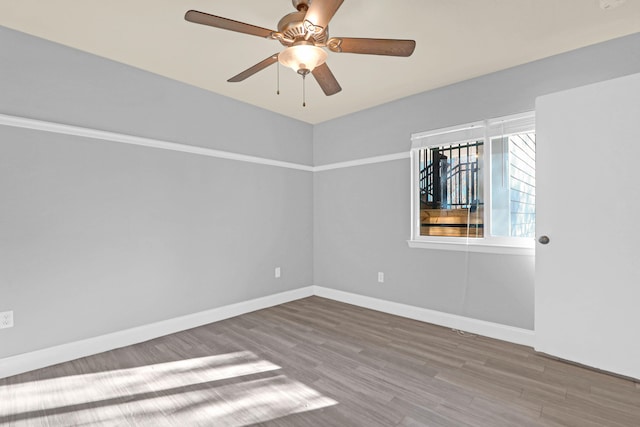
477, 131
469, 132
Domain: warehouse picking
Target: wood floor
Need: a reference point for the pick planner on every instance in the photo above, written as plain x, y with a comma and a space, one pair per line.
317, 362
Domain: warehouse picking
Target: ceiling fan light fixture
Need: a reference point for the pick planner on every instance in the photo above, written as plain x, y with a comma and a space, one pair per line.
302, 57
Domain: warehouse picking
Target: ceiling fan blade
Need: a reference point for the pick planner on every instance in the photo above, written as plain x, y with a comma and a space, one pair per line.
320, 13
326, 80
226, 24
389, 47
252, 70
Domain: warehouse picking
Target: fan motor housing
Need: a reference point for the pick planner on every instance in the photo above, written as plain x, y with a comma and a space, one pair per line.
292, 26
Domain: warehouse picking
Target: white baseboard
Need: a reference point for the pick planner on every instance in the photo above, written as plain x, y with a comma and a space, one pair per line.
467, 324
25, 362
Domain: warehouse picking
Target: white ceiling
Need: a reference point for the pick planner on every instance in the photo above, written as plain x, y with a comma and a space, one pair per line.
456, 40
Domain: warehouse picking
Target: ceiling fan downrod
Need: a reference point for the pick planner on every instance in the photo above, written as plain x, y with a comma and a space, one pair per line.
301, 5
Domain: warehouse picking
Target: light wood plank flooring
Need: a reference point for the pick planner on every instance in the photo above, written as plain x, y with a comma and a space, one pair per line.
317, 362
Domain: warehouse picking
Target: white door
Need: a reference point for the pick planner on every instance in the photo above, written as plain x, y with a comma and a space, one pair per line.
587, 306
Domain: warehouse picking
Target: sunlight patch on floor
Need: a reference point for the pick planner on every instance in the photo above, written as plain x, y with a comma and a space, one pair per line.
228, 390
85, 388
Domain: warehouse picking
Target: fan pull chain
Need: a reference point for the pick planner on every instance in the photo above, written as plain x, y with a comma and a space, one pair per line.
278, 79
304, 94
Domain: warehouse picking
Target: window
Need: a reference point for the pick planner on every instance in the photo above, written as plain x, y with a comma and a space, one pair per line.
474, 186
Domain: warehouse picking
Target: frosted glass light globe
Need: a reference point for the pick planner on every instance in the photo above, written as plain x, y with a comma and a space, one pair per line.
303, 57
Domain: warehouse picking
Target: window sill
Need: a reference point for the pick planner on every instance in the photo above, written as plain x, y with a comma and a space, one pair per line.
481, 247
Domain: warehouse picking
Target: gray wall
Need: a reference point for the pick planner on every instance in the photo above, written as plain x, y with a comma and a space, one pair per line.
97, 236
44, 80
362, 214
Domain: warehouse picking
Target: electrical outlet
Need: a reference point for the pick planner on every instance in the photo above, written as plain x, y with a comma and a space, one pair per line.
6, 319
277, 272
380, 277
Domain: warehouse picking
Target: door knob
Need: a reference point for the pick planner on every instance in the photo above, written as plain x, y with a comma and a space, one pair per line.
544, 240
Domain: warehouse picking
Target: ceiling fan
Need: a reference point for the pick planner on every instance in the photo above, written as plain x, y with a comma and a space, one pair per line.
305, 34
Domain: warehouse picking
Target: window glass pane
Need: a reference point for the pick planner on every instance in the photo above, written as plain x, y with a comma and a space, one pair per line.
451, 188
513, 185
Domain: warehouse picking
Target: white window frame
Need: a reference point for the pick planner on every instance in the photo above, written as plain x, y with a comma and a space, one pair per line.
485, 130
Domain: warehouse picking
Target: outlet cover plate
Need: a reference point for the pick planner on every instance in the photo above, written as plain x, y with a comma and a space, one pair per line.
6, 319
